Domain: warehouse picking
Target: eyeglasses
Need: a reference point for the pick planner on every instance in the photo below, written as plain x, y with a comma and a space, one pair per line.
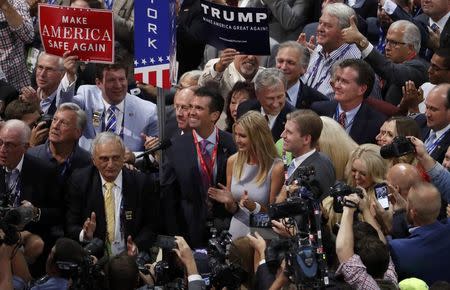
50, 70
393, 43
9, 145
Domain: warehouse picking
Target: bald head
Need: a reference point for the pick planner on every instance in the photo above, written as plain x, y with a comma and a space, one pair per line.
402, 176
424, 204
438, 107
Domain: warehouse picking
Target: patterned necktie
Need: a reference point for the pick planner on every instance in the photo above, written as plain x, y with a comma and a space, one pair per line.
267, 118
291, 169
111, 121
430, 140
207, 159
342, 119
109, 4
110, 211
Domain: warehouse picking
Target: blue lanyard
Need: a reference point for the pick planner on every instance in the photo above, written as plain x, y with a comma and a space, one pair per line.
316, 68
431, 147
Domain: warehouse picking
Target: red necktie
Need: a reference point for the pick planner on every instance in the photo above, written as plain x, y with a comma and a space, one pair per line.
342, 118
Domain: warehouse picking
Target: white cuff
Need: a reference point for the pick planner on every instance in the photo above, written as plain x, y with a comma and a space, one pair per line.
81, 236
257, 208
365, 53
194, 277
65, 85
263, 261
389, 6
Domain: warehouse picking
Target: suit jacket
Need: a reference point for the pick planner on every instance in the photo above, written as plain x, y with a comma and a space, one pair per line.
196, 285
324, 176
140, 116
439, 152
395, 75
424, 254
139, 203
307, 95
37, 185
184, 197
365, 8
278, 127
366, 124
287, 18
264, 277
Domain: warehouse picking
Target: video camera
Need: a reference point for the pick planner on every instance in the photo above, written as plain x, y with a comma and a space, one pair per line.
12, 220
341, 190
400, 146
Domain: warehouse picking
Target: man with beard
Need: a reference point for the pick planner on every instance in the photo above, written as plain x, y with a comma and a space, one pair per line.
429, 241
230, 68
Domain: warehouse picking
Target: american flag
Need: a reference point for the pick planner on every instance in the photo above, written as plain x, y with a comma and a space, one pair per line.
155, 72
155, 43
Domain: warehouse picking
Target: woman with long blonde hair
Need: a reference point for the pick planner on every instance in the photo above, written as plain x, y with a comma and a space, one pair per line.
254, 174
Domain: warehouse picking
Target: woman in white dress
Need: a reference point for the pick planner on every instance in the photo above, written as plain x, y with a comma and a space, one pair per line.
255, 174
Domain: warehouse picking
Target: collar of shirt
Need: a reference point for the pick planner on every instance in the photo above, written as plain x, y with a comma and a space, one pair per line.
332, 55
120, 106
117, 182
272, 118
442, 131
441, 22
293, 93
350, 115
211, 138
236, 76
299, 160
18, 167
46, 102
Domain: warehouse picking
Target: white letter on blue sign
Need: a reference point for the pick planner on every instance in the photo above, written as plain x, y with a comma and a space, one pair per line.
151, 43
152, 28
152, 13
260, 16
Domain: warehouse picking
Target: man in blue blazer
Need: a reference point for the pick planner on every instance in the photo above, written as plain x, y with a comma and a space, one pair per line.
196, 161
424, 254
353, 81
109, 107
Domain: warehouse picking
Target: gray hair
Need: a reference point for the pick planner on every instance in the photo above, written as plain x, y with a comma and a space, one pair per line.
301, 49
269, 77
60, 59
192, 74
411, 35
341, 11
21, 126
104, 138
81, 115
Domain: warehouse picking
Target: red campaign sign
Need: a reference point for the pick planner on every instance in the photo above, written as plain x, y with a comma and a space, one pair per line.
88, 33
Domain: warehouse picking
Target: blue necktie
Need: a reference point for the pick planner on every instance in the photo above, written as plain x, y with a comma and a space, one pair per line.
430, 140
109, 4
111, 121
291, 169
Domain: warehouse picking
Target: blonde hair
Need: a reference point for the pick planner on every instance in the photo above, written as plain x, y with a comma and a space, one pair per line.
336, 144
261, 145
376, 166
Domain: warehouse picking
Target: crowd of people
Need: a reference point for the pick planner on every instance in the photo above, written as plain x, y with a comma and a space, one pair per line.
348, 119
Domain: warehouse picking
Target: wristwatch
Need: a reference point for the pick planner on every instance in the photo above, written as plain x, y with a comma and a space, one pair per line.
363, 43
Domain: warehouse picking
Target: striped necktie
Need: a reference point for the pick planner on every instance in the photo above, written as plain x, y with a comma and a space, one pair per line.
111, 121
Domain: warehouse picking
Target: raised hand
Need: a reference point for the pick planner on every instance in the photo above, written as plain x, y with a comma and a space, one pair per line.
132, 249
351, 34
226, 58
70, 65
412, 97
311, 44
89, 227
221, 194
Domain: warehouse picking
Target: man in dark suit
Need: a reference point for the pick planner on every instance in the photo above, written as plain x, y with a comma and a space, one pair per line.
110, 202
437, 132
429, 241
353, 81
401, 62
196, 161
61, 148
292, 59
270, 87
300, 136
26, 181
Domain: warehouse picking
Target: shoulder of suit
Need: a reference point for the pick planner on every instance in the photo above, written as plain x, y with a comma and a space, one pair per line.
37, 164
135, 100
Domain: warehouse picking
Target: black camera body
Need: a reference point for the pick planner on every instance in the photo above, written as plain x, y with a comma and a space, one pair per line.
400, 146
339, 191
47, 119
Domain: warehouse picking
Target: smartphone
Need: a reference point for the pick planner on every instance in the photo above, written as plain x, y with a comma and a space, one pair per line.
166, 242
381, 192
261, 223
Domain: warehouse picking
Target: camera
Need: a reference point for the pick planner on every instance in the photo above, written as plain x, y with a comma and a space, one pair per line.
223, 272
339, 191
400, 146
12, 220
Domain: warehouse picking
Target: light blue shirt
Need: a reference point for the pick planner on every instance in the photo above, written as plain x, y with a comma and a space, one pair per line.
350, 116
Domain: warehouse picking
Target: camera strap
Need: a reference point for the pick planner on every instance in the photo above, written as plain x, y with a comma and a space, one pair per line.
349, 203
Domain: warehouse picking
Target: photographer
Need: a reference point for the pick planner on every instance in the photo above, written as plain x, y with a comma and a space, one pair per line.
362, 262
62, 264
184, 252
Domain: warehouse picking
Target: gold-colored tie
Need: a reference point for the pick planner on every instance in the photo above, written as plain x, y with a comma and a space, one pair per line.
110, 210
